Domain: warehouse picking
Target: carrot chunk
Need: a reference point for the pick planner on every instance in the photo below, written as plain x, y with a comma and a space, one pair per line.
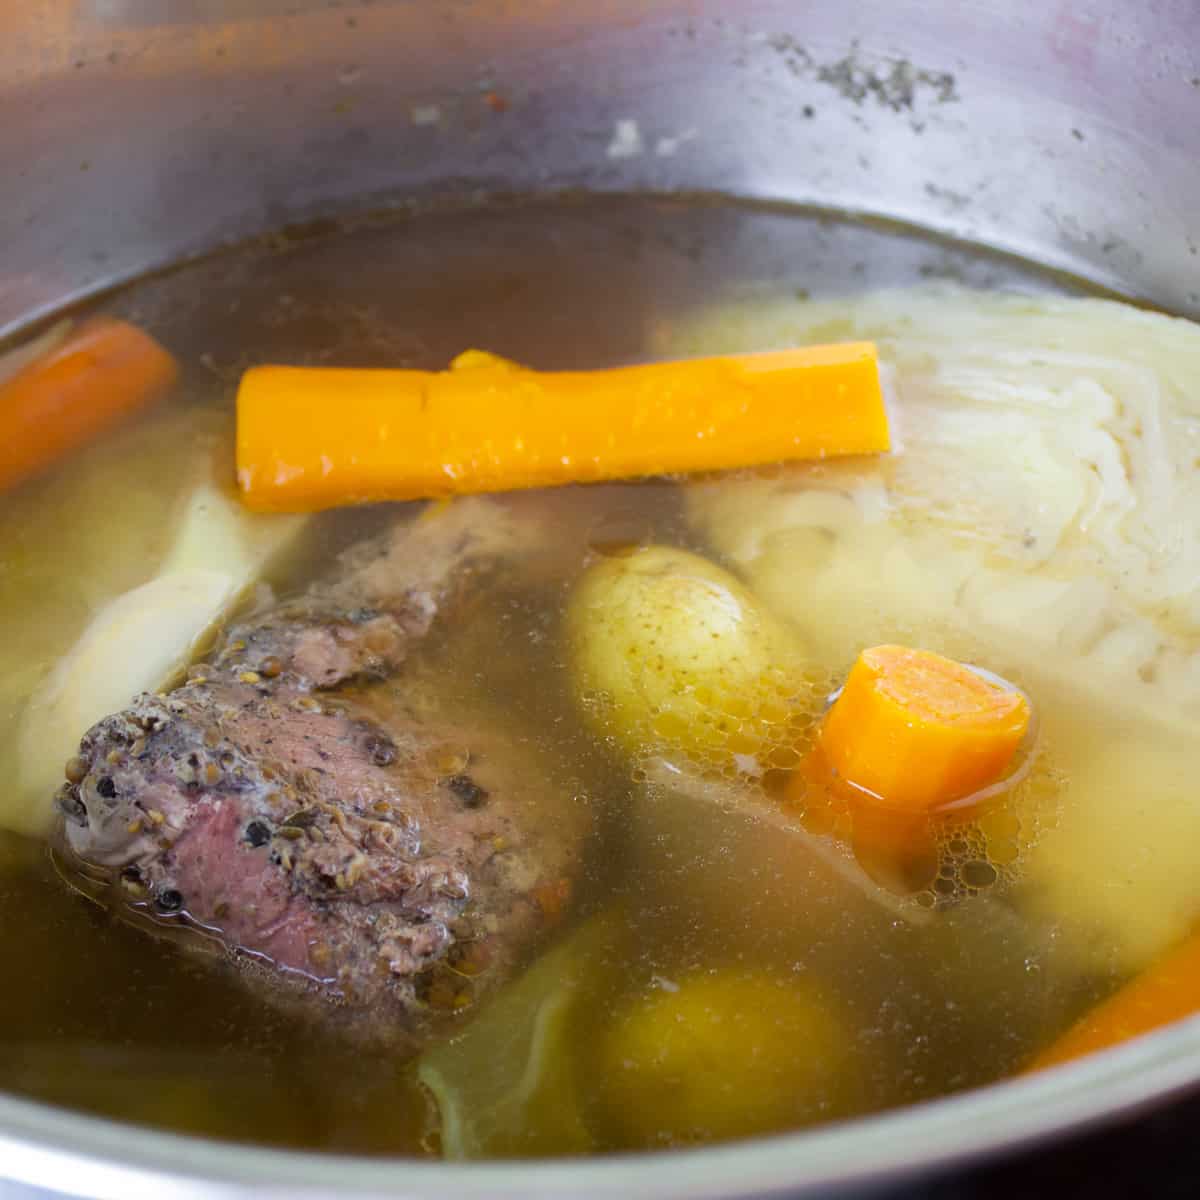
311, 438
102, 372
1167, 991
913, 730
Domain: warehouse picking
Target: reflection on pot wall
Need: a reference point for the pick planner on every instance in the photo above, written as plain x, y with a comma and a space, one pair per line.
1063, 131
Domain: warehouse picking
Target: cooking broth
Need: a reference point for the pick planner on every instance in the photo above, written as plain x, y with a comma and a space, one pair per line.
918, 996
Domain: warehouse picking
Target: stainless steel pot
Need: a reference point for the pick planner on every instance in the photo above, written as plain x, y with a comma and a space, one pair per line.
134, 133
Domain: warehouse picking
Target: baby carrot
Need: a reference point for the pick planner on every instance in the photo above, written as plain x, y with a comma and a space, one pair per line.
914, 730
311, 438
55, 404
1167, 991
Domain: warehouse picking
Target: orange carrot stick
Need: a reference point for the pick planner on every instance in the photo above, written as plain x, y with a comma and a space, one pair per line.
914, 730
1167, 991
311, 438
103, 371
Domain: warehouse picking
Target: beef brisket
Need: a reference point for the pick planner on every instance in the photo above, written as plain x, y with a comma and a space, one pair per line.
292, 804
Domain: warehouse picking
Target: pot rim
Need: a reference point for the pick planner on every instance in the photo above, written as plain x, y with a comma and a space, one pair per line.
47, 1147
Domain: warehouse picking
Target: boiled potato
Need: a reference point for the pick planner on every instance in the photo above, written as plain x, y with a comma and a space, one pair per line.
723, 1054
669, 650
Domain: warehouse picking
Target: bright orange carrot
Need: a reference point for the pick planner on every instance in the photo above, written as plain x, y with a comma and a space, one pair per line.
101, 372
1166, 991
311, 438
914, 730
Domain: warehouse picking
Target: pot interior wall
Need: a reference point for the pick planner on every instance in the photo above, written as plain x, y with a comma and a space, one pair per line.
137, 133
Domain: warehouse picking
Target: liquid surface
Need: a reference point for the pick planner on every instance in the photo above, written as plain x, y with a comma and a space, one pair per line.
102, 1018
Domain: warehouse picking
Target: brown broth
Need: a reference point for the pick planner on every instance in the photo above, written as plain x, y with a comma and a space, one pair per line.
97, 1016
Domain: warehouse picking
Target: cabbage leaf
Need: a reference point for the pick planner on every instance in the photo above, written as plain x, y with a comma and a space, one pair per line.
507, 1086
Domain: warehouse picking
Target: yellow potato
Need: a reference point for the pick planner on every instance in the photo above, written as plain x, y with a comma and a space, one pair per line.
723, 1054
669, 650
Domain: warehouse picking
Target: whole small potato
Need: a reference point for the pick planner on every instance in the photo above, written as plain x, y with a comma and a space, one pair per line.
723, 1054
669, 651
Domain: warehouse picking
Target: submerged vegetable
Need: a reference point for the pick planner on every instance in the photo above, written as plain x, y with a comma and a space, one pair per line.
507, 1084
141, 640
82, 385
914, 730
1166, 991
723, 1054
309, 438
669, 650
